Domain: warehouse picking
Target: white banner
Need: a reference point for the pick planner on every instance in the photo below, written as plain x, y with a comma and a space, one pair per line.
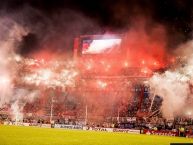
68, 126
126, 130
102, 129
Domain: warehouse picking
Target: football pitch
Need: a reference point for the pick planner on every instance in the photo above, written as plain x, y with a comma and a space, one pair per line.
17, 135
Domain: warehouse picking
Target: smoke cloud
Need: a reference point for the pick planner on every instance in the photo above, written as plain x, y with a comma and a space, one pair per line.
11, 34
175, 85
147, 41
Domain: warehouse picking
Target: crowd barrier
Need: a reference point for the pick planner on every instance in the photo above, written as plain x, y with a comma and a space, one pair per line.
80, 127
64, 126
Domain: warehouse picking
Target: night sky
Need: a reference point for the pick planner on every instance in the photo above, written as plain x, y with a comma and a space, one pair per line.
55, 20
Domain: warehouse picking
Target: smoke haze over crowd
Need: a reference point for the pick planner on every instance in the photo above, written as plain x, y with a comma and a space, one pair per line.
45, 30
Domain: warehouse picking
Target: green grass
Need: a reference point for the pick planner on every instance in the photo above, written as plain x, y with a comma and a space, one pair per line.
14, 135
